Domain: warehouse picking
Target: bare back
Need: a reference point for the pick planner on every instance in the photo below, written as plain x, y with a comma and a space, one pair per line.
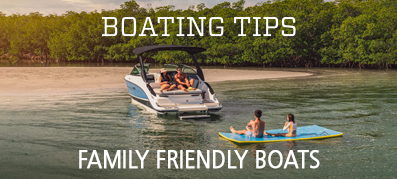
258, 127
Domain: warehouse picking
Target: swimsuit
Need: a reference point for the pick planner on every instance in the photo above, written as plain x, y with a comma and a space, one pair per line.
183, 86
167, 78
249, 134
291, 126
164, 79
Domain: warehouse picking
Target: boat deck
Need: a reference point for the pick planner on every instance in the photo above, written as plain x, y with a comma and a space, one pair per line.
176, 92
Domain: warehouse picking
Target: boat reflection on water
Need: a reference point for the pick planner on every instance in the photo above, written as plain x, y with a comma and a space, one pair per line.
168, 131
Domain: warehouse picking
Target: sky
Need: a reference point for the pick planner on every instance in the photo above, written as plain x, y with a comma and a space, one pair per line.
61, 6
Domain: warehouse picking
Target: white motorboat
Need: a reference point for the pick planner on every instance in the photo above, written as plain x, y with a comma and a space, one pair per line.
144, 87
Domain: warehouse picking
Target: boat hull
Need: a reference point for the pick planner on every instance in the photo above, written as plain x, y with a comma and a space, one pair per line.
140, 94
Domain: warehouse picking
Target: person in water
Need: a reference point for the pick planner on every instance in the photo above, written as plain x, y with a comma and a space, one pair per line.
182, 80
258, 127
290, 125
165, 81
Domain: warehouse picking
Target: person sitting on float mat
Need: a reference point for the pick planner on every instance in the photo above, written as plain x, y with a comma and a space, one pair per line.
165, 81
290, 125
182, 80
258, 127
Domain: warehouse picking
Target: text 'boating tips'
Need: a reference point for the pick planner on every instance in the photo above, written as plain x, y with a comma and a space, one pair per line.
218, 30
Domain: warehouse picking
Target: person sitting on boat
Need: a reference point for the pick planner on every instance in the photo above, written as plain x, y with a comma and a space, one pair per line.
165, 81
290, 125
258, 127
182, 81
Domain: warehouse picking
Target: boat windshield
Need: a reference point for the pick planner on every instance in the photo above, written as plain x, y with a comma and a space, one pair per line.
185, 68
137, 69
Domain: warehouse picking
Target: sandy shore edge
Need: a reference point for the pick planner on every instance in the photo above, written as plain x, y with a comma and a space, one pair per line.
27, 80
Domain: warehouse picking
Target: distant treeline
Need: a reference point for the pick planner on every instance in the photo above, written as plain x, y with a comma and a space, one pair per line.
345, 33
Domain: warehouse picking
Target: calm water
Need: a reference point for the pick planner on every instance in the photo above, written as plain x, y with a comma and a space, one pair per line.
40, 135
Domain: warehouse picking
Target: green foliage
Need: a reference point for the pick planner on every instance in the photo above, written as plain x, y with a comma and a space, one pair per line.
4, 43
365, 36
327, 33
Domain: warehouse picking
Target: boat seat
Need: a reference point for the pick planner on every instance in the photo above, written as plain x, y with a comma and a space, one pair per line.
155, 85
152, 77
176, 92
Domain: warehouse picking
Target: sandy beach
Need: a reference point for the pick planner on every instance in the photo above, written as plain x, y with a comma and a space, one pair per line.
27, 80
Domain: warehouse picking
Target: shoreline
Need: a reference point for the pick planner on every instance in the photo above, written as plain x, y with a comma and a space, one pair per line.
45, 80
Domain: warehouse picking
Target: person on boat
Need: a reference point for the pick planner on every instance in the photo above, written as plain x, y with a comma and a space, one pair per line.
182, 81
290, 125
165, 81
258, 127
